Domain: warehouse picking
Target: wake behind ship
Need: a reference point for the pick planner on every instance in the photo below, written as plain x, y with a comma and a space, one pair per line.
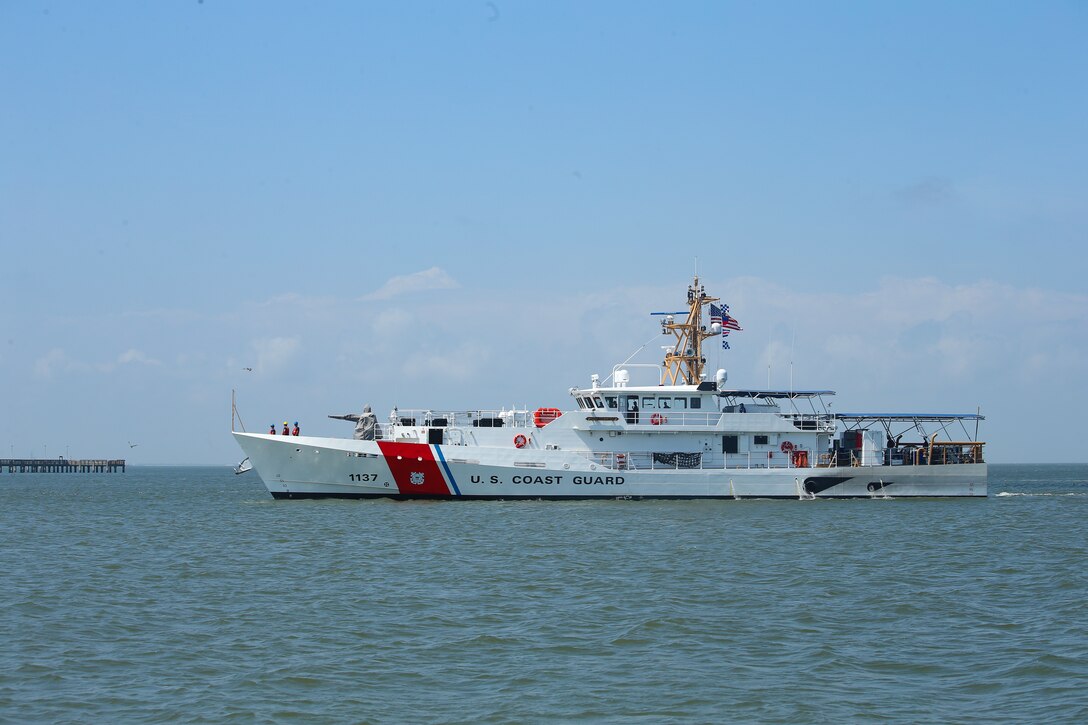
685, 437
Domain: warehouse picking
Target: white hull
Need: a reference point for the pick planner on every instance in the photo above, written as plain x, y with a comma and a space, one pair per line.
312, 467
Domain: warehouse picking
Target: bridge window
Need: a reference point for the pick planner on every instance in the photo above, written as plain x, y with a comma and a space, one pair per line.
680, 403
760, 440
649, 403
611, 400
665, 403
597, 400
696, 403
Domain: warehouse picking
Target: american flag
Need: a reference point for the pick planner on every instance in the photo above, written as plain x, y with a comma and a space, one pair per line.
721, 316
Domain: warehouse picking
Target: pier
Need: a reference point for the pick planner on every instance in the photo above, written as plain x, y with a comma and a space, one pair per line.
62, 465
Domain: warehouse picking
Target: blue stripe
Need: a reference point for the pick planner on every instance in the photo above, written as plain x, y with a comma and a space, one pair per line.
449, 474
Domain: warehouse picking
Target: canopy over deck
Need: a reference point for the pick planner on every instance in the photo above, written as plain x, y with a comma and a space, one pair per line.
789, 394
908, 417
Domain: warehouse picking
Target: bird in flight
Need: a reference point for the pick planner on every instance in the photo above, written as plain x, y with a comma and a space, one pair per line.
248, 370
132, 445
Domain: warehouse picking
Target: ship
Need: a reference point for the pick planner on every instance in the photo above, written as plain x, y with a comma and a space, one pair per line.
679, 435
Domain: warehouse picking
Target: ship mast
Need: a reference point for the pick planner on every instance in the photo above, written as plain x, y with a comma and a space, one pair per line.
684, 363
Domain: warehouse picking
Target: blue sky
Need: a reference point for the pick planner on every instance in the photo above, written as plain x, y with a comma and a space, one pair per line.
474, 204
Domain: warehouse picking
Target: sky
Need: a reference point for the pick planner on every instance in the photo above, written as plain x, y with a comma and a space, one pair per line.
475, 205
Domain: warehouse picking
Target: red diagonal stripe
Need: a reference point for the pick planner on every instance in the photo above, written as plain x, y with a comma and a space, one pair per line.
406, 459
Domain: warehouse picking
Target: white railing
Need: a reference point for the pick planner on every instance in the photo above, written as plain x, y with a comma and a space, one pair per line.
673, 460
644, 418
460, 418
798, 458
940, 453
524, 418
652, 418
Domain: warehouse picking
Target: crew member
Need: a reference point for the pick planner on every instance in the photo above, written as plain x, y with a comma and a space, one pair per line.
272, 429
294, 431
286, 430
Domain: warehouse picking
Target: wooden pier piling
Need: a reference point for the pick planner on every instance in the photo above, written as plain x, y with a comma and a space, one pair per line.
62, 465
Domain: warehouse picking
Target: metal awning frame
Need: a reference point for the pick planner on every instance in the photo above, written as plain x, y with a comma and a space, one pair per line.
914, 421
812, 396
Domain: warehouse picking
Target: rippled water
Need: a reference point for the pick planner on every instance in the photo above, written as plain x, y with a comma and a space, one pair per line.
184, 594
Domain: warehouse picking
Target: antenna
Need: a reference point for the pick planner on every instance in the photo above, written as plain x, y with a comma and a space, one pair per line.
793, 342
636, 352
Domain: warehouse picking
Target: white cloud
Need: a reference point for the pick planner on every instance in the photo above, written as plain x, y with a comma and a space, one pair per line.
921, 342
460, 364
163, 315
131, 356
958, 356
428, 279
894, 343
391, 323
274, 353
57, 361
51, 363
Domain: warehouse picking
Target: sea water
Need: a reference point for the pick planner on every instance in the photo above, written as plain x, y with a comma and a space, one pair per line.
188, 594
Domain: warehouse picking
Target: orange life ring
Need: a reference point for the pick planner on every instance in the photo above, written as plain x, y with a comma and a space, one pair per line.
520, 441
658, 419
786, 447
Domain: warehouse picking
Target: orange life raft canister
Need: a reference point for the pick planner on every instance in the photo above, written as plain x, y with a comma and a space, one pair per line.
543, 416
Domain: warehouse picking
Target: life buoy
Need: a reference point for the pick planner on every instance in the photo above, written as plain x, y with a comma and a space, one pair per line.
658, 419
520, 441
786, 447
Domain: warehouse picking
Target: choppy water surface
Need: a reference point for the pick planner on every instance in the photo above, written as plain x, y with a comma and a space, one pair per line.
183, 594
